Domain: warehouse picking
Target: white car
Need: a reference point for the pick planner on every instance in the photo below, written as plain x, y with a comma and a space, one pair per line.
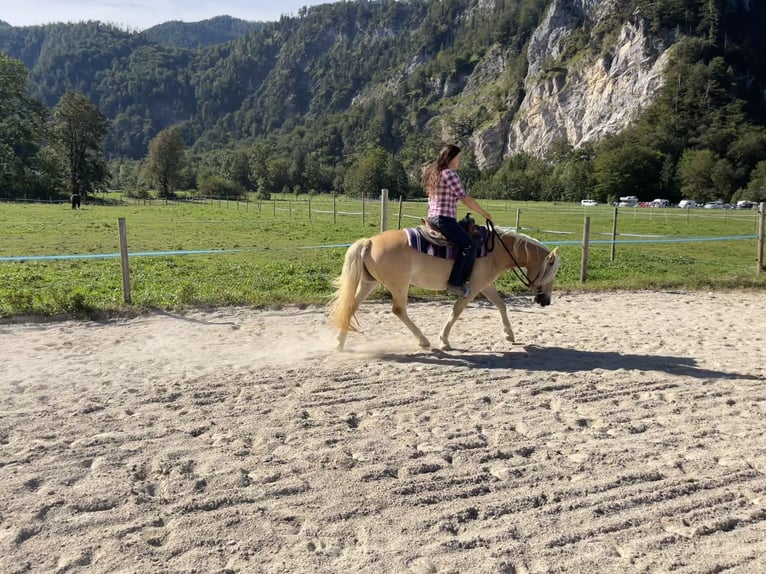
589, 203
628, 201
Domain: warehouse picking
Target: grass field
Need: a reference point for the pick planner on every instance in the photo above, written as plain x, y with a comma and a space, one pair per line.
288, 253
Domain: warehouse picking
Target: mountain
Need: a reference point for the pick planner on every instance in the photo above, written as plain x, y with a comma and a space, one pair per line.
218, 30
503, 77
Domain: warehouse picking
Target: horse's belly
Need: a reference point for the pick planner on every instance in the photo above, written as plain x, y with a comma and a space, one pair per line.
430, 272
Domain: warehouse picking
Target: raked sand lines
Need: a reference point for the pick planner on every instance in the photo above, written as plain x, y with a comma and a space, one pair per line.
619, 436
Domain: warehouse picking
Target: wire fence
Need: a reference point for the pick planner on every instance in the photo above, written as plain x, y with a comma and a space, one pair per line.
600, 227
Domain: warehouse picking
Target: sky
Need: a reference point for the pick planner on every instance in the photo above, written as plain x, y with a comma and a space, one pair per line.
138, 15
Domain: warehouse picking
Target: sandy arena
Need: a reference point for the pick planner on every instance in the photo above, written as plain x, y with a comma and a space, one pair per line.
624, 432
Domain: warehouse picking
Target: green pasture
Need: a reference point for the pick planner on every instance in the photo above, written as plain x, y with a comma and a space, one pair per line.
286, 251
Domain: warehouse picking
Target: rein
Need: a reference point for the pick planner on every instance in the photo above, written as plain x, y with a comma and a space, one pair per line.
518, 271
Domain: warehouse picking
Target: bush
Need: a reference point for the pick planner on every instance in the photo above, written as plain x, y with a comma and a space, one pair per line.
213, 185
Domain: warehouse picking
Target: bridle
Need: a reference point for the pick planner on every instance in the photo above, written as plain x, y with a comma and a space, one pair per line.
521, 275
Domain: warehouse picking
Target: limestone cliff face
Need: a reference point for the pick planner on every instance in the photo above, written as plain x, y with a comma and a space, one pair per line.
580, 100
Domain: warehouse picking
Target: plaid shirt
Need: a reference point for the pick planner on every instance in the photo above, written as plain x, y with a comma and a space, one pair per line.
443, 200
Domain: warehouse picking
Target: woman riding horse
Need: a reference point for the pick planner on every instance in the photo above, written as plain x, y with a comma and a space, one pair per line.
389, 259
444, 191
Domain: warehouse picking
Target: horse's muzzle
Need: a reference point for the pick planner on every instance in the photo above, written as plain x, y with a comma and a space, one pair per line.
542, 299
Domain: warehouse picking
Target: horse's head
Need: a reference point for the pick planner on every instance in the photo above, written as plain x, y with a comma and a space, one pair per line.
541, 264
541, 272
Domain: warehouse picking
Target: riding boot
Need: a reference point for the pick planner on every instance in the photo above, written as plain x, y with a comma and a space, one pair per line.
461, 269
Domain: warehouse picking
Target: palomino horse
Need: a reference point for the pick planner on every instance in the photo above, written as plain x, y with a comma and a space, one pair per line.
387, 258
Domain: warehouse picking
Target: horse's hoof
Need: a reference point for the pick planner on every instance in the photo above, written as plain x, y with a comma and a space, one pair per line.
425, 345
446, 346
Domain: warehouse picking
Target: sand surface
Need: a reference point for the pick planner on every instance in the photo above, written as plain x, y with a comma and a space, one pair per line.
624, 432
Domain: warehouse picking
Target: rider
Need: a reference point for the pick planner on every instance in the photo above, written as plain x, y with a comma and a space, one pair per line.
444, 191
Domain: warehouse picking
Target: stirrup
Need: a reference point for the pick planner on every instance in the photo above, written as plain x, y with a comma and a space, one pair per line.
459, 290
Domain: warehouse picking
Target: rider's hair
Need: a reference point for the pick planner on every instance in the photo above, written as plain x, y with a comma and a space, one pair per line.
433, 170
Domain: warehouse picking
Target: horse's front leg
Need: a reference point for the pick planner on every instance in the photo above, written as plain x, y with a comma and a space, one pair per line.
491, 293
457, 309
399, 308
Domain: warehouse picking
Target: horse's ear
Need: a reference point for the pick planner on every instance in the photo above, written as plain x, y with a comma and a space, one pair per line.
552, 255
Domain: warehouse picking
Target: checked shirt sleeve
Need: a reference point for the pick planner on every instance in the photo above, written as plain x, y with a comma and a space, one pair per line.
452, 181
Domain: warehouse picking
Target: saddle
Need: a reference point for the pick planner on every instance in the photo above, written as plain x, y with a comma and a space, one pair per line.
428, 239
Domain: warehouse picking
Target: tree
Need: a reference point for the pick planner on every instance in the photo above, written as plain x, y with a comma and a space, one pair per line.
22, 126
627, 169
78, 130
366, 176
695, 174
165, 160
396, 180
757, 185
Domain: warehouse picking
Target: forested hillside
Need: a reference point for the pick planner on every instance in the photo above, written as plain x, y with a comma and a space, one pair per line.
357, 95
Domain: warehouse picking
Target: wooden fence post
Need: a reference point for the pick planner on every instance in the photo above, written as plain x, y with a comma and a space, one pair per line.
614, 234
518, 219
585, 243
383, 210
399, 224
309, 206
124, 259
363, 214
334, 210
761, 225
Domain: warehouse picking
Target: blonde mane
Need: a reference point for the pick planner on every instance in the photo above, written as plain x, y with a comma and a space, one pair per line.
548, 271
523, 237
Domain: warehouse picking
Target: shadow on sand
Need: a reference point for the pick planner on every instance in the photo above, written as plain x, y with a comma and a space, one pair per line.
547, 359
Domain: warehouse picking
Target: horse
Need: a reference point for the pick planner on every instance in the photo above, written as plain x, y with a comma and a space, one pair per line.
388, 259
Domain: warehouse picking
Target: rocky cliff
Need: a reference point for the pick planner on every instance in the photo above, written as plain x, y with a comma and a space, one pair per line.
581, 99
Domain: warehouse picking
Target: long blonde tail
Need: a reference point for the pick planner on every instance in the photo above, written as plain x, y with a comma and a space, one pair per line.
343, 304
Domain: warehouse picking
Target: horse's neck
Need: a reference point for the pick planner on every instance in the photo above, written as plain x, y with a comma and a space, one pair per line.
519, 250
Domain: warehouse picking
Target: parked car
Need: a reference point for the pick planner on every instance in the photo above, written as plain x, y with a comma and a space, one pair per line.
717, 204
660, 203
589, 203
688, 204
628, 201
746, 204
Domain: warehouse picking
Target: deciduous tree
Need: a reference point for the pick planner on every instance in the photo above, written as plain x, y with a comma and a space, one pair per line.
165, 160
78, 130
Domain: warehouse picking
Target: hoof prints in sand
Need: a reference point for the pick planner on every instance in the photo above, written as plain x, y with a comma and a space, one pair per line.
340, 463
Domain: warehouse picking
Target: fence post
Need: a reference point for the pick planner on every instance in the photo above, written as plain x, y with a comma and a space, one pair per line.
274, 207
614, 234
334, 211
585, 242
363, 214
383, 210
761, 225
309, 206
124, 259
518, 219
399, 224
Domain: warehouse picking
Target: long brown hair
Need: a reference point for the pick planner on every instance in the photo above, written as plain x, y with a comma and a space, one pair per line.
433, 170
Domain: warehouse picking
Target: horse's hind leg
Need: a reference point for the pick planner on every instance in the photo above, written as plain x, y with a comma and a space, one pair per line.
457, 309
362, 291
491, 293
399, 308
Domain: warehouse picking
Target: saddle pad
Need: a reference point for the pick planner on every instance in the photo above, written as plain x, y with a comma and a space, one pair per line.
417, 241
